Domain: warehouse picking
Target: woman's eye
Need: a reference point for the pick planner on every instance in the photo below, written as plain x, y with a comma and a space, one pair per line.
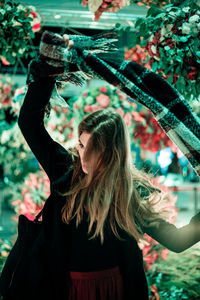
81, 145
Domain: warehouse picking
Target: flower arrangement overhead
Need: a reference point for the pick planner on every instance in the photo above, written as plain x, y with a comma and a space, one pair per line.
18, 24
171, 37
99, 6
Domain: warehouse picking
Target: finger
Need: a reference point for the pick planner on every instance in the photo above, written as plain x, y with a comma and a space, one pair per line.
70, 44
66, 38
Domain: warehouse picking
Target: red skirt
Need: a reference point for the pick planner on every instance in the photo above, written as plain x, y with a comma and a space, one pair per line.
98, 285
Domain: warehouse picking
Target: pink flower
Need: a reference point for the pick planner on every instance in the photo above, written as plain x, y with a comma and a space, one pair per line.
95, 107
103, 89
4, 61
103, 100
19, 91
164, 253
127, 118
146, 249
6, 89
64, 110
120, 111
70, 135
52, 126
149, 259
75, 106
85, 94
87, 108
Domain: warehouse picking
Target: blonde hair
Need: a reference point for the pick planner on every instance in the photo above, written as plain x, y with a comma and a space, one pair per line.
115, 190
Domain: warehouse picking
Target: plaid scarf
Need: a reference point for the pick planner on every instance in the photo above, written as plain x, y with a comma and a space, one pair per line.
98, 57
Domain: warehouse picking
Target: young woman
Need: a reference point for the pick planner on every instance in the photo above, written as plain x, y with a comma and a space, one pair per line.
98, 209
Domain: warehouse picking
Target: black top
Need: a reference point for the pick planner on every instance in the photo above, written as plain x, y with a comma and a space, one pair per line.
83, 254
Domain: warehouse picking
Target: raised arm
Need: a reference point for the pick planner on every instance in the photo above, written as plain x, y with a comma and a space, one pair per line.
173, 238
53, 157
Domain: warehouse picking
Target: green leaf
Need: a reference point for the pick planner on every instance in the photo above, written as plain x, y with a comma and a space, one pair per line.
139, 21
143, 42
154, 66
167, 48
184, 38
171, 51
153, 11
127, 29
179, 59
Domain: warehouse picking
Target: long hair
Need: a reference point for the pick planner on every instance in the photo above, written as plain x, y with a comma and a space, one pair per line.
114, 190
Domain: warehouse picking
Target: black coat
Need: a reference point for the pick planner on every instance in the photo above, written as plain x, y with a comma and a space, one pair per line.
57, 246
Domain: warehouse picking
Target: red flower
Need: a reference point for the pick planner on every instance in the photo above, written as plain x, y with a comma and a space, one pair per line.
170, 43
175, 30
175, 78
34, 14
192, 75
36, 26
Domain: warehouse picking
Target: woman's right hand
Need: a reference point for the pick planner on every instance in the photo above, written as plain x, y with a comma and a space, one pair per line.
68, 42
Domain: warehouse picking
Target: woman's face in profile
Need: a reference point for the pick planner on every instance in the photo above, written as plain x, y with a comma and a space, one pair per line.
81, 146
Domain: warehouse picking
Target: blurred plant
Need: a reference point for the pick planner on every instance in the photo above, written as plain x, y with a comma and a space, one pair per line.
18, 23
139, 55
178, 278
31, 194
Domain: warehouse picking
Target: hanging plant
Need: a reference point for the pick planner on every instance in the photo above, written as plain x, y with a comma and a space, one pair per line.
18, 23
99, 6
171, 37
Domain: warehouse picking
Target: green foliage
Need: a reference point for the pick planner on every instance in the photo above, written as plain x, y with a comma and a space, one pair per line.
16, 31
178, 277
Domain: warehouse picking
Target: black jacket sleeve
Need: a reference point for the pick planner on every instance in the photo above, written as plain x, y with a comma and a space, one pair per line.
53, 157
173, 238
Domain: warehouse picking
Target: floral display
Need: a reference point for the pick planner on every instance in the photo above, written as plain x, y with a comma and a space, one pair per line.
10, 136
18, 24
139, 55
7, 91
33, 192
143, 128
171, 37
99, 6
149, 135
